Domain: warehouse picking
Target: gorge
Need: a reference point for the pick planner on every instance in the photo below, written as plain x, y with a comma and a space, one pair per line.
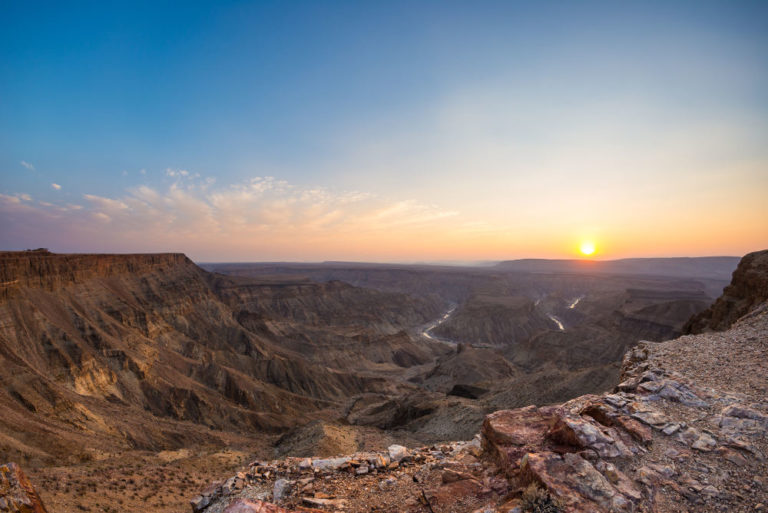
136, 366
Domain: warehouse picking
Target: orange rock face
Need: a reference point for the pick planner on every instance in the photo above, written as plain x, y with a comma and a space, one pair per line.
17, 495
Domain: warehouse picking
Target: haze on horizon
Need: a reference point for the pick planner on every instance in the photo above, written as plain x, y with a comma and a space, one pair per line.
389, 131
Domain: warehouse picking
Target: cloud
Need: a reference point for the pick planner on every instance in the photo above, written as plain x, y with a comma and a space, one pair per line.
27, 165
56, 186
10, 200
260, 218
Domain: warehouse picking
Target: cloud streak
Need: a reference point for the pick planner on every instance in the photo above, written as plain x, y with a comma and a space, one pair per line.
27, 165
262, 218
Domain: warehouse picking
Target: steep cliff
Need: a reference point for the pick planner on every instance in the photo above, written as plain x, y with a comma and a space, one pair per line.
748, 288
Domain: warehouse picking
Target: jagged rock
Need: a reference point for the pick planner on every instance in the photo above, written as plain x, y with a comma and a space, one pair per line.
651, 417
232, 485
704, 443
580, 432
663, 470
618, 479
742, 412
674, 391
17, 495
574, 482
200, 502
734, 457
697, 440
647, 476
509, 434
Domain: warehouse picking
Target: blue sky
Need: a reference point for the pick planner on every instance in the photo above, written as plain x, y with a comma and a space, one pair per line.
626, 122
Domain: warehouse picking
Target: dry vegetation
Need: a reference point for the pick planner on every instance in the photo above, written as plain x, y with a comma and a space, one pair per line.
135, 481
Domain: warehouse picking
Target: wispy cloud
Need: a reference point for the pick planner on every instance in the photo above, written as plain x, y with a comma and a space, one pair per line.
56, 186
176, 172
260, 218
27, 165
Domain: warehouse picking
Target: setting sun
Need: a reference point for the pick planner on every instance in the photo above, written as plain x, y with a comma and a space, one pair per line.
587, 247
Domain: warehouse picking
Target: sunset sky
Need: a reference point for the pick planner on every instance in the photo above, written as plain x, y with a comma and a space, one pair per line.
385, 131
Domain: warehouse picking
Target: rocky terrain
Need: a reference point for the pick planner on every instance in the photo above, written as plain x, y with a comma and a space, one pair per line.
747, 289
524, 331
686, 429
122, 365
130, 381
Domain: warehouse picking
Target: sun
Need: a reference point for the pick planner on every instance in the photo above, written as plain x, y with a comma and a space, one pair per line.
587, 247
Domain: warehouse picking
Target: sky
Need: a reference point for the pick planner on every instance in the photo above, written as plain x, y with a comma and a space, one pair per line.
383, 130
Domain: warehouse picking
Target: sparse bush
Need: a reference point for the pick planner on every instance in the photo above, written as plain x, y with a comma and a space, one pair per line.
536, 499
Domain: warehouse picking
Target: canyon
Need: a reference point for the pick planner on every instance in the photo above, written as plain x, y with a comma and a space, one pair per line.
150, 376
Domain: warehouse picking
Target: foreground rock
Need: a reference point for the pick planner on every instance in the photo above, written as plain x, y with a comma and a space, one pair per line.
17, 495
685, 430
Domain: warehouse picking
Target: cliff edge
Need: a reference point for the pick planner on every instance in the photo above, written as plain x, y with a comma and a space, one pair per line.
748, 288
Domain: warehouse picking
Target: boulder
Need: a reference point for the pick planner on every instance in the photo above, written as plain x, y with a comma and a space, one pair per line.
397, 452
582, 433
507, 435
575, 484
17, 492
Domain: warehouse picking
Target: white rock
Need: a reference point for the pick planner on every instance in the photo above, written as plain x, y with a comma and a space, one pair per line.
329, 463
397, 452
281, 489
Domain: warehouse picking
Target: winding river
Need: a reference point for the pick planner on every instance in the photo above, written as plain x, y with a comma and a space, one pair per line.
557, 321
426, 331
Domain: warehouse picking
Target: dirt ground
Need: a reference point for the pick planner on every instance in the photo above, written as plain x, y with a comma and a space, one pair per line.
160, 482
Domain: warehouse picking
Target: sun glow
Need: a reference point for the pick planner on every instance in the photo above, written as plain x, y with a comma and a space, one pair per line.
587, 248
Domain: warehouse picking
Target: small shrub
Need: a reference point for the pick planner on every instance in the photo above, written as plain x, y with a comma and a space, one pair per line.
536, 499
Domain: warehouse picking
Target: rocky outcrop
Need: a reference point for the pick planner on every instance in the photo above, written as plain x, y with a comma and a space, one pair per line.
17, 495
748, 288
